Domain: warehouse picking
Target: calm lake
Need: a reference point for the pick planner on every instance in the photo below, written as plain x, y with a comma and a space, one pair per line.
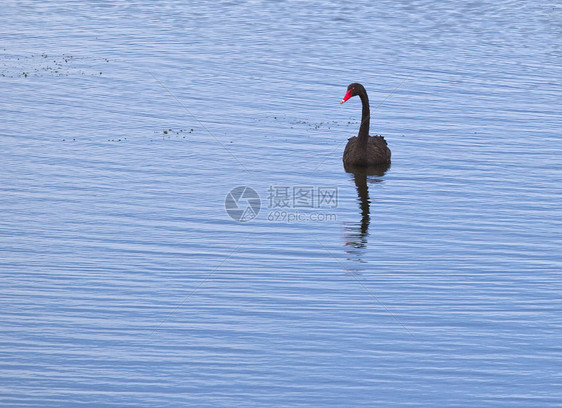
177, 228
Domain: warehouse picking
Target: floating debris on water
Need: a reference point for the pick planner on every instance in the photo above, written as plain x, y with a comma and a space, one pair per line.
179, 132
38, 65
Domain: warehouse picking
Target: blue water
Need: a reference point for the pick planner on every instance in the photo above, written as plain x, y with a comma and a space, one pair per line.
433, 283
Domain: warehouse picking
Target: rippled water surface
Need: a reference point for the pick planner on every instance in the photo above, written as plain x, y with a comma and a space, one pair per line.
433, 283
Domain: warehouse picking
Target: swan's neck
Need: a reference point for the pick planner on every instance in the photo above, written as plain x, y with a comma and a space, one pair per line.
365, 119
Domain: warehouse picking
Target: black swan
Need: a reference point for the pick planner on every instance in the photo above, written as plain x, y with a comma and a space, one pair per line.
364, 150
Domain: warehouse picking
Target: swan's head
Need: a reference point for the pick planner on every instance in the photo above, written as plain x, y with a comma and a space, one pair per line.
352, 90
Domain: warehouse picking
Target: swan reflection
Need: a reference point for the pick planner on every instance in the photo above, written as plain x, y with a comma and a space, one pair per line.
356, 233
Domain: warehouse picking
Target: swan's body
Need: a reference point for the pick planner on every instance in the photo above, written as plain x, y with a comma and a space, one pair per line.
364, 150
359, 153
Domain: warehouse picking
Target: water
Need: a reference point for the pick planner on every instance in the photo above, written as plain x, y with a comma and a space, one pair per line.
435, 282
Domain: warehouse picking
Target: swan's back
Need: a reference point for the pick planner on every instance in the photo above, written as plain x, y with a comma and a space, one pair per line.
376, 152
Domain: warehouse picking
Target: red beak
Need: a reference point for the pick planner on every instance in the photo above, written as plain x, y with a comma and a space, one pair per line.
347, 96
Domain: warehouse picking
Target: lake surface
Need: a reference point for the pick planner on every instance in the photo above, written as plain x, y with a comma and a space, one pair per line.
125, 282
